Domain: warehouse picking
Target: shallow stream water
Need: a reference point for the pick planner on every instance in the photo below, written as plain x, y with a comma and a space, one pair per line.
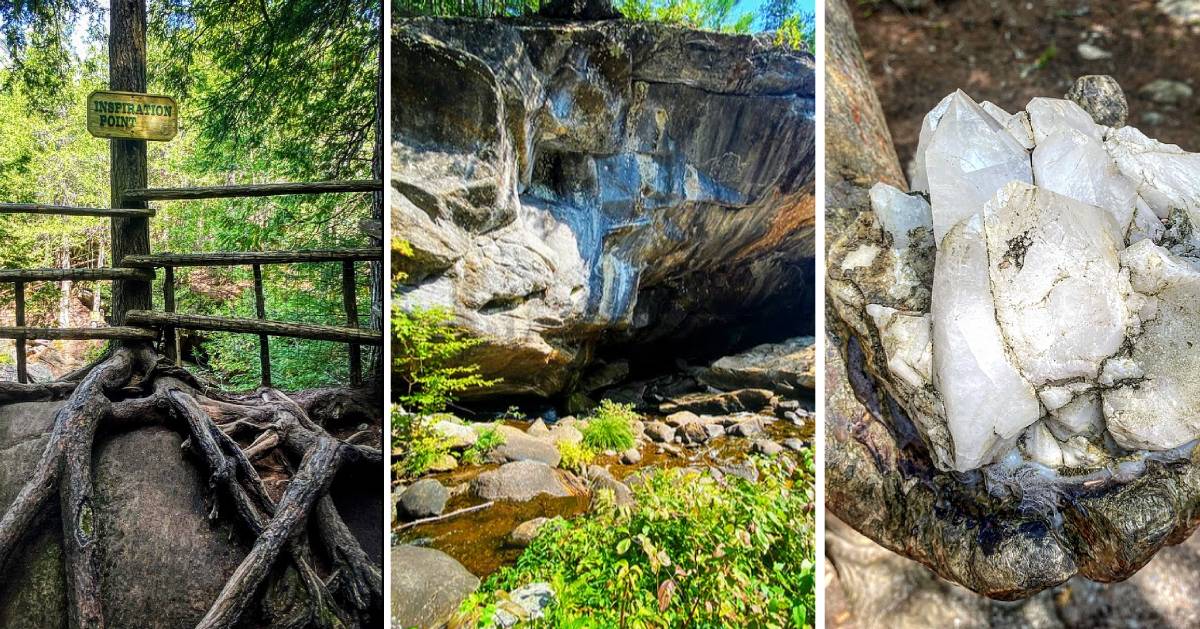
479, 540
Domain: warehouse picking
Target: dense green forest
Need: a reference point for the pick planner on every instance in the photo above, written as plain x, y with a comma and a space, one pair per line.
282, 90
792, 26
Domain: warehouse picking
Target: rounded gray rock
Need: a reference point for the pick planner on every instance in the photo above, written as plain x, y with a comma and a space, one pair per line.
522, 480
424, 498
427, 586
1102, 98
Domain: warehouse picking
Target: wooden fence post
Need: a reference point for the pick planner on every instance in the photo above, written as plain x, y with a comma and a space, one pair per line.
264, 342
170, 334
350, 300
22, 368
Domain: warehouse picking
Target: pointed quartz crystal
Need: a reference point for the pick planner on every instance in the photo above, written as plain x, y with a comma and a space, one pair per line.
987, 401
900, 213
970, 156
918, 181
1154, 401
1075, 164
1056, 280
1165, 175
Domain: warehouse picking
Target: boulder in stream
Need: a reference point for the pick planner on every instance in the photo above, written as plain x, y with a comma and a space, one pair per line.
522, 480
427, 586
422, 499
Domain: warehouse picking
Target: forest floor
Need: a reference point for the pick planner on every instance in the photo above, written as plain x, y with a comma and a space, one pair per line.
1010, 52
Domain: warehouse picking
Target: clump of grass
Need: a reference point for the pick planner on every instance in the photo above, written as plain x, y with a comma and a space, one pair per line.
575, 456
489, 439
611, 427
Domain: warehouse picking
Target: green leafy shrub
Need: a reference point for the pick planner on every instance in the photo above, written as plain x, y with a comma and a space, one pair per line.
416, 445
487, 440
692, 552
426, 351
611, 427
575, 456
797, 31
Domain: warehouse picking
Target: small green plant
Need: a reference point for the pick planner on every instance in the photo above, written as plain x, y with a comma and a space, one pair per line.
611, 427
575, 456
797, 32
427, 350
487, 440
417, 446
514, 413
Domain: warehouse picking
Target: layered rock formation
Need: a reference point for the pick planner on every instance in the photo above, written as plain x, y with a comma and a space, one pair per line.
566, 187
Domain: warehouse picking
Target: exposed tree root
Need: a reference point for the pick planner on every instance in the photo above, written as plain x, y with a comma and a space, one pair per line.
132, 388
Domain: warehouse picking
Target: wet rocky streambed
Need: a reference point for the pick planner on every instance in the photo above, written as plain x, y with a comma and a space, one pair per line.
467, 519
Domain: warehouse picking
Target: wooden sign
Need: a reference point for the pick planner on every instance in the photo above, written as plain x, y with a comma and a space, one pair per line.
132, 116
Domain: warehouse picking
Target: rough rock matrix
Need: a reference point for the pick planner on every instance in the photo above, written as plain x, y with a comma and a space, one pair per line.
569, 187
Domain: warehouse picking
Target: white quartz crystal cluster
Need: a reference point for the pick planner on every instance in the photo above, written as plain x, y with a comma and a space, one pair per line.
1064, 321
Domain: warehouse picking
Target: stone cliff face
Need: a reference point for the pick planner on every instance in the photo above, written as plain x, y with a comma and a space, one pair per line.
567, 187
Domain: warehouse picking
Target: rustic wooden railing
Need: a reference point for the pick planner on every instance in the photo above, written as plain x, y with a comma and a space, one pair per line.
170, 321
145, 325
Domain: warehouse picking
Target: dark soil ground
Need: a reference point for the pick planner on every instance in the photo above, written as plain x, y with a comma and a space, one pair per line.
1009, 52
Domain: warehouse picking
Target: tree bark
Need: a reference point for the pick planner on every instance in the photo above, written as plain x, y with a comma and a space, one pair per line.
127, 72
378, 282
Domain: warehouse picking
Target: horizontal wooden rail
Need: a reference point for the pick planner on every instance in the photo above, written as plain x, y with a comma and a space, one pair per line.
235, 258
152, 319
78, 334
54, 275
66, 210
250, 190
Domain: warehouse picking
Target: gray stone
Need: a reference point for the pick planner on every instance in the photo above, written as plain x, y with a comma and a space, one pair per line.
694, 433
423, 499
1102, 98
786, 367
526, 531
676, 420
714, 430
519, 446
522, 480
538, 429
1166, 91
660, 432
767, 447
792, 443
163, 562
1091, 52
744, 470
460, 435
427, 586
738, 401
569, 434
525, 603
746, 428
600, 479
632, 456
